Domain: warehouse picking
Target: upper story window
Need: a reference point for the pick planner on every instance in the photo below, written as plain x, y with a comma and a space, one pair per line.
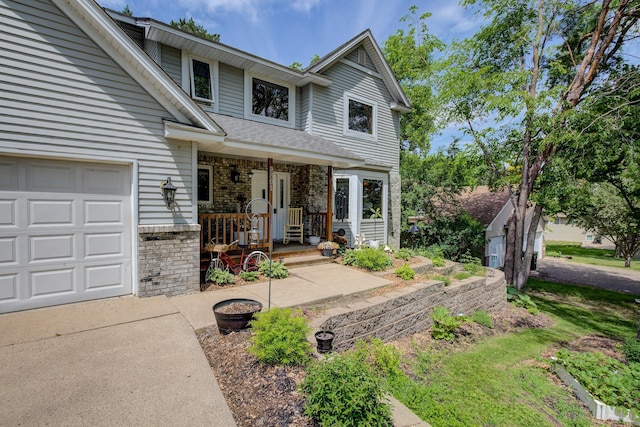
201, 79
269, 102
360, 117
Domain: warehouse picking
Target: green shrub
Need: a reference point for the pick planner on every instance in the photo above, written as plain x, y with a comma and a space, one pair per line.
444, 324
383, 359
221, 277
482, 318
372, 259
342, 391
349, 257
249, 276
405, 272
606, 378
521, 300
474, 268
438, 262
278, 269
461, 275
404, 254
631, 350
280, 337
445, 279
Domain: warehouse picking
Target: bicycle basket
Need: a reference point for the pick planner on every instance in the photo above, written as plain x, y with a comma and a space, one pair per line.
217, 248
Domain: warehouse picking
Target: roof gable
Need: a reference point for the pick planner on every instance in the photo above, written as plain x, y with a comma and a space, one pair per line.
366, 41
483, 204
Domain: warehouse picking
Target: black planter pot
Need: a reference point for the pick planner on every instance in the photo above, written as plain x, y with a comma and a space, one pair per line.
327, 252
233, 322
325, 341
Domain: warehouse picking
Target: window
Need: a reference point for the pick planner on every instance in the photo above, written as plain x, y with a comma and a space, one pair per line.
556, 220
205, 185
269, 102
341, 207
360, 117
371, 197
201, 80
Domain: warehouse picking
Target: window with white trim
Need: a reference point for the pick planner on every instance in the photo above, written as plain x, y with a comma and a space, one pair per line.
268, 101
201, 80
360, 117
205, 184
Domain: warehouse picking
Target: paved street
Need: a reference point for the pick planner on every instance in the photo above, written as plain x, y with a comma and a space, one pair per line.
564, 271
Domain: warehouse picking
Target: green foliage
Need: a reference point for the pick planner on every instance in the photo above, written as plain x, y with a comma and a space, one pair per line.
277, 271
446, 280
472, 265
404, 254
444, 324
606, 378
369, 258
461, 275
280, 337
521, 300
221, 277
249, 276
127, 11
631, 350
438, 262
405, 272
483, 318
190, 26
382, 359
343, 391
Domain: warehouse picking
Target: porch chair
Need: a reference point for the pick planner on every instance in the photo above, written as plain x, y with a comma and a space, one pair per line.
293, 227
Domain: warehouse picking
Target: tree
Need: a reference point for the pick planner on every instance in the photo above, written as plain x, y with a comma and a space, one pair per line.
127, 11
526, 70
602, 192
191, 27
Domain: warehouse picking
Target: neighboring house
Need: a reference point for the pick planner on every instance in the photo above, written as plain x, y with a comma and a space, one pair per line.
493, 210
561, 229
99, 109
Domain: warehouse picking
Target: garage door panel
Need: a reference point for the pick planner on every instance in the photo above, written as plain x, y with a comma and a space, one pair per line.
9, 175
104, 212
9, 287
8, 213
49, 282
49, 177
8, 252
50, 212
104, 181
104, 244
104, 276
51, 248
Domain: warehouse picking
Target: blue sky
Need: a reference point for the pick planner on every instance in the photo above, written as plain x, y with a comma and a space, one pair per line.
287, 31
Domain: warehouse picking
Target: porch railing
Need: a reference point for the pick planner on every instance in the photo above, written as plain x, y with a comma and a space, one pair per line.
224, 228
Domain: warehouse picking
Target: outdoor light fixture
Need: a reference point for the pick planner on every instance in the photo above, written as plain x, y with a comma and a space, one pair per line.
234, 175
168, 191
254, 233
414, 228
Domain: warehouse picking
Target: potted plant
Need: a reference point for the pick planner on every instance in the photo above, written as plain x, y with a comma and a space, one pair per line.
327, 247
324, 340
375, 215
314, 238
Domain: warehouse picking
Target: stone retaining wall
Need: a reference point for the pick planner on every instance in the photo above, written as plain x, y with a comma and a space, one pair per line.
408, 310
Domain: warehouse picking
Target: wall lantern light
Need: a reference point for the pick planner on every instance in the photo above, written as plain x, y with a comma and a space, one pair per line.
234, 175
414, 228
168, 191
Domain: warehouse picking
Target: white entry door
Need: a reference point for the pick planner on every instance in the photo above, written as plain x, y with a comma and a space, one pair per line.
281, 198
65, 232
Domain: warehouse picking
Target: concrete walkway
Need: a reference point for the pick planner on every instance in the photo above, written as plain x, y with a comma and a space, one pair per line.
130, 361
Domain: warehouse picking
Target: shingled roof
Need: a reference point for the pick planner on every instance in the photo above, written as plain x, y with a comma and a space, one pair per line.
483, 204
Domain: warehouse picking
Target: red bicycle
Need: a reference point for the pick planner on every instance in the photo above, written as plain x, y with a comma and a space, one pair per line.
223, 261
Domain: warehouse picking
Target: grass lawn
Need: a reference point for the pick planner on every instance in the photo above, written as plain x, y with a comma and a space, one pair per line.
582, 255
504, 380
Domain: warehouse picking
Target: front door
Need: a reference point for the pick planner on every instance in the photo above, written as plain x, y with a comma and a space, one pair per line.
281, 198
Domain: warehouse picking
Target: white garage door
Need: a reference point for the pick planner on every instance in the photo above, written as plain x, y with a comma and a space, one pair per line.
65, 232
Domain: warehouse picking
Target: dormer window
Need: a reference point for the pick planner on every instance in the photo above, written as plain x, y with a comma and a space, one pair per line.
269, 102
360, 117
201, 77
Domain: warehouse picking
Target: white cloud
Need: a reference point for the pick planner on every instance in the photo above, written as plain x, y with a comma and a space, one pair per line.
304, 5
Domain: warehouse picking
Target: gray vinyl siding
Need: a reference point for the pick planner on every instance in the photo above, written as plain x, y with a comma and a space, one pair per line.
353, 56
170, 59
328, 117
62, 96
231, 88
303, 101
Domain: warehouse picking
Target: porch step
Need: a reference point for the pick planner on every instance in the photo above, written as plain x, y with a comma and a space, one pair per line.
303, 260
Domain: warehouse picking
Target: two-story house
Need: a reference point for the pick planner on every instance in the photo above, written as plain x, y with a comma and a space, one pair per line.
100, 111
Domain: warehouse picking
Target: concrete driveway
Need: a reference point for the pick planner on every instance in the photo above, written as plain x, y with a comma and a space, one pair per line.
610, 278
115, 362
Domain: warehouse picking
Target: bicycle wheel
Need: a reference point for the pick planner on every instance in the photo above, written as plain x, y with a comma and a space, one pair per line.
215, 264
253, 260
